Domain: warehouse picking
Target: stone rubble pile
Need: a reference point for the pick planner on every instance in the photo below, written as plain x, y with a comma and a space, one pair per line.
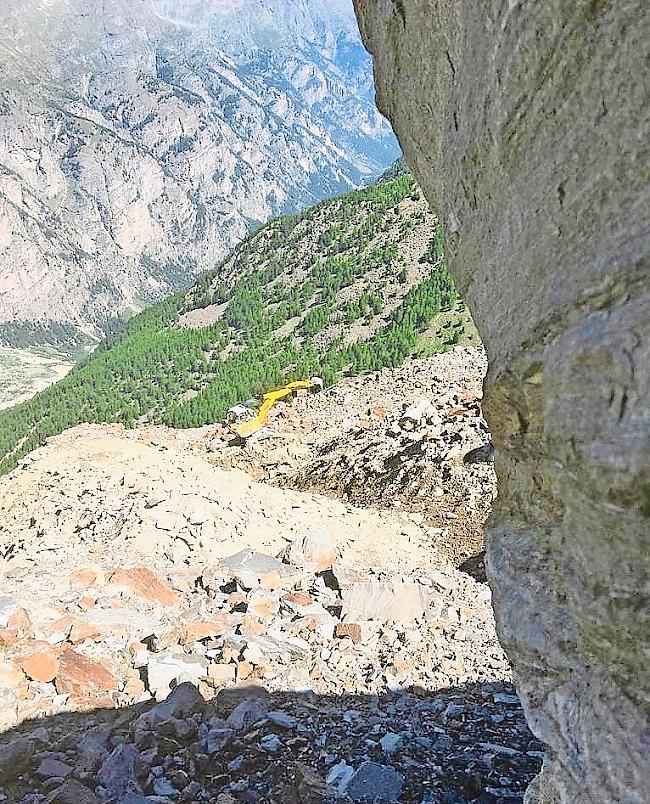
409, 438
349, 655
248, 745
108, 636
100, 489
173, 631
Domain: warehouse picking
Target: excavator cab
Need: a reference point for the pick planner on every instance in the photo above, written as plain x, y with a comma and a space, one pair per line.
243, 412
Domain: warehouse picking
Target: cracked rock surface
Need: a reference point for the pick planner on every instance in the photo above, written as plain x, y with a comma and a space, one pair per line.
525, 123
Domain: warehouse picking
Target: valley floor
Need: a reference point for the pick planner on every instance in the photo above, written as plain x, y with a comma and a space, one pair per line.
25, 372
304, 586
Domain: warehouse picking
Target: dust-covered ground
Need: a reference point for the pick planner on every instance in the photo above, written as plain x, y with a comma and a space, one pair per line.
409, 439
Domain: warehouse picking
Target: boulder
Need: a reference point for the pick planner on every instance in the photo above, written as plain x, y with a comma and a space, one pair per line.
73, 792
40, 666
221, 674
167, 670
50, 767
203, 629
262, 604
9, 607
216, 739
183, 700
374, 782
356, 631
339, 776
421, 412
15, 758
10, 676
83, 677
524, 123
391, 600
248, 567
247, 713
143, 583
315, 552
118, 774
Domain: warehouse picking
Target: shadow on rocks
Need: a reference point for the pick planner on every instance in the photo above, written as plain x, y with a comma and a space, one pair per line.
465, 744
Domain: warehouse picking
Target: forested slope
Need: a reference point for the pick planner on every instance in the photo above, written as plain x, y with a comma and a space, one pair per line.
352, 285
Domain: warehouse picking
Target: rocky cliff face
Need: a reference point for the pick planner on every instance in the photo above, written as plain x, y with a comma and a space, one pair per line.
135, 151
524, 123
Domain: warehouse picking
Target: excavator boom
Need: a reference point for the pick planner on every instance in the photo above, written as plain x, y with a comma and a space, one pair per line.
268, 400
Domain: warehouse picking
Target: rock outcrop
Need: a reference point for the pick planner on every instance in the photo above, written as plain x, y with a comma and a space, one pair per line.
524, 122
410, 438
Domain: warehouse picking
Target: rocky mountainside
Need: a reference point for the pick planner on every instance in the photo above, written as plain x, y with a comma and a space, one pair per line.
185, 632
352, 285
139, 142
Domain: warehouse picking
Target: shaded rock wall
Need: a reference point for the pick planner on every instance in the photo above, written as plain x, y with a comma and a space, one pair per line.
527, 125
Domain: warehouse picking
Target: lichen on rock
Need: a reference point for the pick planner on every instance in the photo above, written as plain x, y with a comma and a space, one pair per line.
524, 123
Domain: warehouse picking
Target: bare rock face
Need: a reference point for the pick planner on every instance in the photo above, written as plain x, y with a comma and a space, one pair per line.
136, 150
524, 122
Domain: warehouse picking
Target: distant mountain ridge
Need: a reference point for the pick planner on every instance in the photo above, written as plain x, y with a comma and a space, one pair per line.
136, 151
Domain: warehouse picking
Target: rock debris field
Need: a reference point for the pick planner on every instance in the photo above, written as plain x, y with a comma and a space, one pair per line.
410, 438
176, 628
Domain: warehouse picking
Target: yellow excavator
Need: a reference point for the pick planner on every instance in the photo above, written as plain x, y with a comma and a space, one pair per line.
246, 428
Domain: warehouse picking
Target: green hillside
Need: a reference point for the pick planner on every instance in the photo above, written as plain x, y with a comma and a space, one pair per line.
353, 285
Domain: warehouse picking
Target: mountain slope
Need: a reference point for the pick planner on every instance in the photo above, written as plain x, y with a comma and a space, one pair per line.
134, 151
350, 286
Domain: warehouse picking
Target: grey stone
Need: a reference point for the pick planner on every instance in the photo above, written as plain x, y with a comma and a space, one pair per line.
163, 787
399, 602
375, 782
168, 669
339, 776
139, 625
118, 774
73, 792
246, 714
216, 739
248, 566
421, 411
92, 748
50, 767
523, 123
499, 749
282, 719
274, 647
315, 552
15, 757
236, 763
504, 698
271, 742
183, 700
391, 742
8, 606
